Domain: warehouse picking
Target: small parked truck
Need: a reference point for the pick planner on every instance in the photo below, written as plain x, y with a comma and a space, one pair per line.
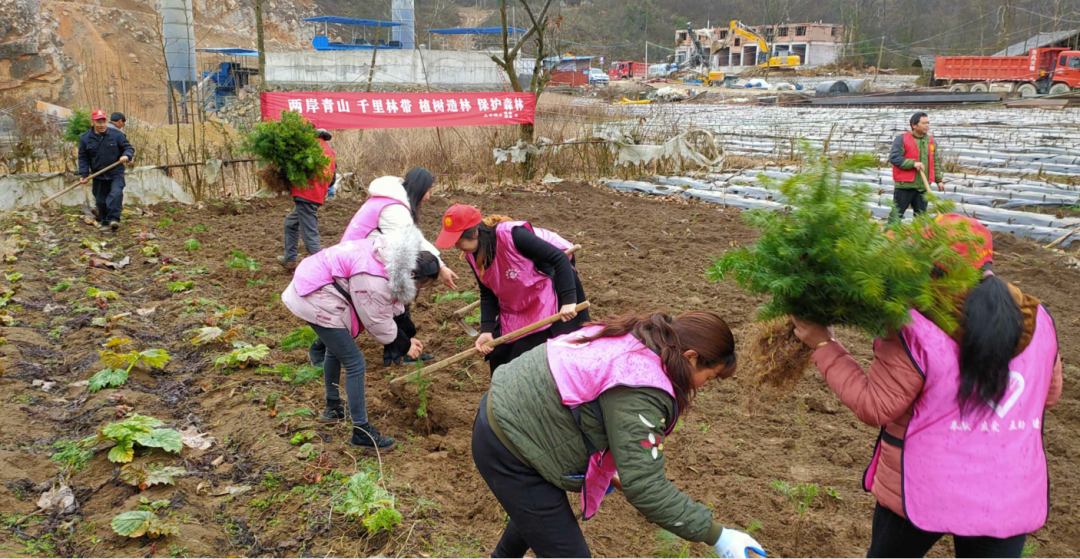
627, 70
1050, 71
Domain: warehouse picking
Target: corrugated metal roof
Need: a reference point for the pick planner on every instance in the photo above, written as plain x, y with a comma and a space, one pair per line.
1040, 40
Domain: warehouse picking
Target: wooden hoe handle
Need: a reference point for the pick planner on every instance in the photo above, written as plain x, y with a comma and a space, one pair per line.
493, 343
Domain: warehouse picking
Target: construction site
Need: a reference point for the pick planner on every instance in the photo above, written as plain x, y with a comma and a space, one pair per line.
160, 396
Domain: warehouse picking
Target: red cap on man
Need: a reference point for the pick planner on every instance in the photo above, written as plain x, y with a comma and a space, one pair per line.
984, 249
98, 115
457, 219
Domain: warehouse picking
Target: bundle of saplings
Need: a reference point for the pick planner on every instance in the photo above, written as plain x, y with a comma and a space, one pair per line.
288, 150
826, 261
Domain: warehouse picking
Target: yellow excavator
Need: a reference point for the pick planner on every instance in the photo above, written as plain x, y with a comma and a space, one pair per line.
763, 59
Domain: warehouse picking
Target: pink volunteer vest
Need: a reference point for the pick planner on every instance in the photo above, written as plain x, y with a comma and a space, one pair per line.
983, 474
344, 261
366, 219
583, 372
525, 295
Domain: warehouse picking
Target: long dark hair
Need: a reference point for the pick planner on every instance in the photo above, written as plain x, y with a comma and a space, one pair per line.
417, 183
992, 324
702, 331
485, 235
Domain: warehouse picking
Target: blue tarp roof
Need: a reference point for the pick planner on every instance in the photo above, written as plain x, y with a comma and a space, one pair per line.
230, 51
474, 30
358, 22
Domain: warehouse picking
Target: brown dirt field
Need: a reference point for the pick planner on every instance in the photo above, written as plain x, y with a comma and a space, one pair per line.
639, 255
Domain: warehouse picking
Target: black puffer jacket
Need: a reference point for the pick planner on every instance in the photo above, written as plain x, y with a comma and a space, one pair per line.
97, 151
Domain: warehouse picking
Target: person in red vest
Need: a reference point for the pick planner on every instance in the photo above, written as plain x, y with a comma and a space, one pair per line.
913, 155
303, 220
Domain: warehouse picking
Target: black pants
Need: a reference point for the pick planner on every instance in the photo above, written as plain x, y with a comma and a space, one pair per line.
506, 353
109, 196
540, 514
896, 536
904, 197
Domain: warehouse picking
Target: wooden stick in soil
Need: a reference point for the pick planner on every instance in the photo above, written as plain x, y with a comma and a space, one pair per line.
493, 343
72, 187
1058, 240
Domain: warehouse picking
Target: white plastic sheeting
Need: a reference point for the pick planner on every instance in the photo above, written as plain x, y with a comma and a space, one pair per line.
144, 185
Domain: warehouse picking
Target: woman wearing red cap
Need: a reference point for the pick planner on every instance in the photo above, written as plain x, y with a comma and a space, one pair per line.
961, 449
524, 277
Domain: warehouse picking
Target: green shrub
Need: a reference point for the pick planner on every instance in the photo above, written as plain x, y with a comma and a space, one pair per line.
299, 338
291, 145
77, 125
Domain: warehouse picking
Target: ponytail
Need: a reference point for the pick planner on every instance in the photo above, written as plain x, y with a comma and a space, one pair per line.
701, 331
993, 325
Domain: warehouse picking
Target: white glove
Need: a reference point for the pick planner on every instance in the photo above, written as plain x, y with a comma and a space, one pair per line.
733, 543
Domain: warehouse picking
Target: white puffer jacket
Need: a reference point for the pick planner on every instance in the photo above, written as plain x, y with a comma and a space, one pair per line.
394, 216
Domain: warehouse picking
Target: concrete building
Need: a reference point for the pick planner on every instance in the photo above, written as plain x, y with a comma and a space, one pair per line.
348, 70
815, 43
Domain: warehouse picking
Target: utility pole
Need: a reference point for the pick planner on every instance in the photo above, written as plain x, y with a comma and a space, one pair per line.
881, 50
261, 45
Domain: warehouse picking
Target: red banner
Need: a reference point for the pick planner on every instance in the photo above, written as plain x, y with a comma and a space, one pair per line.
336, 111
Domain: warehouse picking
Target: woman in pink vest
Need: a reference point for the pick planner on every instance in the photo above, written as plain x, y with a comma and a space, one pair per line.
961, 448
352, 287
561, 417
524, 277
393, 204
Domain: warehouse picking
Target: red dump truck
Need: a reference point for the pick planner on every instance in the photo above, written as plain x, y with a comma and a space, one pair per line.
1043, 71
627, 70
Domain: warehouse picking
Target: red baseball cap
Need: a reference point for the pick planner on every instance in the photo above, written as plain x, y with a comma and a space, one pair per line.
984, 249
456, 220
98, 115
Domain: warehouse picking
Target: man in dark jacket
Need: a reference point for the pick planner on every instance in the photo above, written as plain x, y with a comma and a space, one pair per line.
915, 160
100, 147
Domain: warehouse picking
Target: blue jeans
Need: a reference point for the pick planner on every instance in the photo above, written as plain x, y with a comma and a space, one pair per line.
341, 351
109, 196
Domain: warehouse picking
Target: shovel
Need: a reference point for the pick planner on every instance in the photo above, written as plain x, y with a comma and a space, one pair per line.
940, 186
472, 352
86, 193
460, 314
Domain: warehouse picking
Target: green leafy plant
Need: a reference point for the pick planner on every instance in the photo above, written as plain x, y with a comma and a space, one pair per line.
301, 437
753, 527
827, 262
198, 228
473, 318
95, 293
77, 125
242, 355
179, 286
464, 296
802, 495
138, 523
293, 374
1031, 549
150, 251
74, 455
299, 338
422, 384
108, 378
138, 429
671, 546
146, 476
191, 245
166, 222
365, 499
13, 277
62, 286
302, 411
153, 358
291, 146
240, 261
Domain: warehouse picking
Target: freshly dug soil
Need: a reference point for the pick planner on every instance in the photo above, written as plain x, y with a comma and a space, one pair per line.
639, 254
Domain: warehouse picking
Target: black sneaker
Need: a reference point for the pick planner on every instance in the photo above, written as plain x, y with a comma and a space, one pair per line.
334, 411
425, 357
115, 226
368, 436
